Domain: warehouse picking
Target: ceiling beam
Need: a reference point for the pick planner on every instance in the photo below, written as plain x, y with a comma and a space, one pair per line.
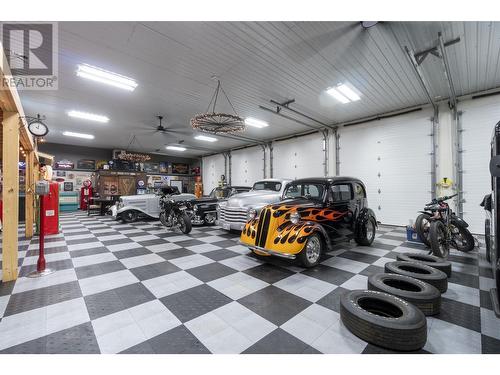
447, 72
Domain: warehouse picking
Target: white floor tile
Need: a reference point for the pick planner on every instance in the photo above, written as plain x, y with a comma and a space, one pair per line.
163, 247
111, 237
306, 287
337, 339
346, 264
237, 285
205, 248
101, 283
79, 237
191, 261
123, 246
83, 246
356, 282
48, 258
311, 323
141, 260
4, 300
146, 237
172, 283
464, 340
463, 294
241, 263
240, 249
490, 324
93, 259
154, 318
486, 283
47, 245
211, 239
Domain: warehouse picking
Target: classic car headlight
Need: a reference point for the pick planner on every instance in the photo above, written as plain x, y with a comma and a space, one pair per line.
252, 214
195, 208
294, 217
119, 204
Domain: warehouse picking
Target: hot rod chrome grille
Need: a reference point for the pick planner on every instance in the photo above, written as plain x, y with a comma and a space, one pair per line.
233, 215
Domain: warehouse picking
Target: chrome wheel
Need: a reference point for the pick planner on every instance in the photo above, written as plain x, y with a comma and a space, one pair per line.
313, 249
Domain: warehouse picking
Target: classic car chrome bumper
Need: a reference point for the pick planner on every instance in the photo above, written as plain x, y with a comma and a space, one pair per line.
226, 225
268, 252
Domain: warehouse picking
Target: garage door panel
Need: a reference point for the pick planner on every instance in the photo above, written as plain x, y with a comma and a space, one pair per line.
392, 157
213, 168
478, 120
299, 157
247, 166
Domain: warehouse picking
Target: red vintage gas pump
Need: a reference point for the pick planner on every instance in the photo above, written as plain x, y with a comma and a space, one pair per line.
50, 204
86, 192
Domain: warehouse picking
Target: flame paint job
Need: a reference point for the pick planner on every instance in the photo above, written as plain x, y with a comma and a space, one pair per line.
284, 236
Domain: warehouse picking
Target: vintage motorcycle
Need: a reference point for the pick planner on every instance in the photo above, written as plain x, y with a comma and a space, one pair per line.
173, 213
446, 229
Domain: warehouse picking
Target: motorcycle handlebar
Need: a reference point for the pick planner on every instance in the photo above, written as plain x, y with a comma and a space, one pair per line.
442, 199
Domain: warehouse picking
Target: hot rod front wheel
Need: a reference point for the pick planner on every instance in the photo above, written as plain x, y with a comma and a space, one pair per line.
312, 251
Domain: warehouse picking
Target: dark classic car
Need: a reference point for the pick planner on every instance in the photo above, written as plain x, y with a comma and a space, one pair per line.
204, 210
314, 214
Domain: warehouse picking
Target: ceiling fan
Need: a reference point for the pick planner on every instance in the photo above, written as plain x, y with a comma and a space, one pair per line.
164, 130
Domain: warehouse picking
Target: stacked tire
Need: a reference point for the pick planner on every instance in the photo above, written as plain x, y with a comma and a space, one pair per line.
391, 313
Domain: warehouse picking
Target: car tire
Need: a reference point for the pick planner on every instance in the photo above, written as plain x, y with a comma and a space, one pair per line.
129, 216
430, 260
419, 227
312, 252
383, 320
423, 295
466, 234
419, 271
366, 235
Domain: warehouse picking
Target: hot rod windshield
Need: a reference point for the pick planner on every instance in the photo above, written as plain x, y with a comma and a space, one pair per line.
307, 190
267, 185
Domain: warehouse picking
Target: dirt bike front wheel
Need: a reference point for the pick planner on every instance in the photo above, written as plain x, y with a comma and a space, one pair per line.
438, 237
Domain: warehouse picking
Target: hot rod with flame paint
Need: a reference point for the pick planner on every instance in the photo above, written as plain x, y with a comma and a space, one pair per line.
314, 214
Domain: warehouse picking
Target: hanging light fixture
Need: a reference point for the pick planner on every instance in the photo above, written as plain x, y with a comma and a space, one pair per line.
218, 123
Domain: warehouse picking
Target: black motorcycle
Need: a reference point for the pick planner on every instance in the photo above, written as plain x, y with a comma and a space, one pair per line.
173, 213
446, 229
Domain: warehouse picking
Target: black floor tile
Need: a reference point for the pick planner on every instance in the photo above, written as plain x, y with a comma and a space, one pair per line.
274, 304
329, 274
360, 257
212, 271
86, 252
158, 241
76, 340
461, 314
225, 243
279, 342
82, 241
372, 270
122, 254
372, 349
111, 301
176, 253
188, 243
99, 269
490, 345
332, 300
383, 246
47, 251
116, 242
6, 287
194, 302
486, 272
464, 279
177, 341
222, 254
154, 270
463, 260
485, 299
269, 273
392, 237
33, 299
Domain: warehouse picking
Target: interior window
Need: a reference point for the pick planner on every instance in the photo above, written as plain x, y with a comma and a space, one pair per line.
341, 192
267, 185
359, 191
307, 190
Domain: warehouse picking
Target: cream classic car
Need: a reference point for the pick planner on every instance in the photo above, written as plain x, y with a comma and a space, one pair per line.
234, 213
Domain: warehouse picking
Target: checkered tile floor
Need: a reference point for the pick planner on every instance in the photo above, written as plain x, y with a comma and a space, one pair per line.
122, 288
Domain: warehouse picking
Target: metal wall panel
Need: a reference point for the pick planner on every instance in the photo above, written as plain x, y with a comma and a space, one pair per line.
213, 168
392, 157
478, 120
247, 166
299, 157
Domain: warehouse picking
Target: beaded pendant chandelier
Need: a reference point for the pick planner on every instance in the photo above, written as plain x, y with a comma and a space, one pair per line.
218, 123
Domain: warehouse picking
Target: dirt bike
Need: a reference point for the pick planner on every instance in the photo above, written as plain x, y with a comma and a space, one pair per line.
446, 229
173, 214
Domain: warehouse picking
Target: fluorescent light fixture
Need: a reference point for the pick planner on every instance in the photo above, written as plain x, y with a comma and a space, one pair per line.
176, 148
205, 138
88, 116
350, 93
337, 95
78, 135
100, 75
255, 123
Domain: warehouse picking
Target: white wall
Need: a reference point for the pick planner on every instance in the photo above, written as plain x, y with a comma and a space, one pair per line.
247, 166
303, 156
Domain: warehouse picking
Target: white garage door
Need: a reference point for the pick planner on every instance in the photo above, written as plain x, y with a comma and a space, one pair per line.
247, 166
392, 157
299, 157
478, 120
213, 168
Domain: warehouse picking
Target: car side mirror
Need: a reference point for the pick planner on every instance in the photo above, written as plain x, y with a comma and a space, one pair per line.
495, 166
